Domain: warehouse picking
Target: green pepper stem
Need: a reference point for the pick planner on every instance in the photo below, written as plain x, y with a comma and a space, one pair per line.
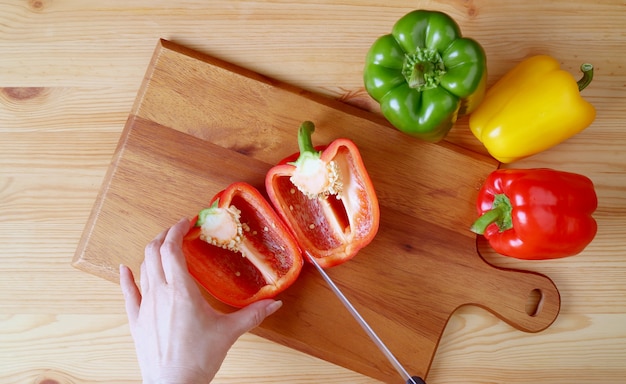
587, 70
500, 213
423, 69
488, 218
305, 143
418, 75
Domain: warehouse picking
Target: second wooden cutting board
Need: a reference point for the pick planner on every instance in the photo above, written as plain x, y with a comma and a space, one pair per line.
199, 124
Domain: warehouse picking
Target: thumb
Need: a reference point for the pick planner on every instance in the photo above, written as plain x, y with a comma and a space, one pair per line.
252, 316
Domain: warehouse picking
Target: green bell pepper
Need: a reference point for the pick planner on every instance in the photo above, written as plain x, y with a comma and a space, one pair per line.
425, 75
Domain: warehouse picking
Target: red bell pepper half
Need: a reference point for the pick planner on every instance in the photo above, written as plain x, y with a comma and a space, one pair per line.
326, 198
537, 213
240, 250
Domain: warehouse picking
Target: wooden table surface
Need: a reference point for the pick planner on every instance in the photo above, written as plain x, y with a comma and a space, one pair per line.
69, 74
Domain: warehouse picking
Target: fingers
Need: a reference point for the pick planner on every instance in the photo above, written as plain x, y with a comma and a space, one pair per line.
172, 257
132, 297
152, 261
251, 316
143, 278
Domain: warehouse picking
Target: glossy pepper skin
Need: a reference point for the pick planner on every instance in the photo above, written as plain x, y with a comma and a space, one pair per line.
332, 224
537, 213
535, 106
425, 74
267, 262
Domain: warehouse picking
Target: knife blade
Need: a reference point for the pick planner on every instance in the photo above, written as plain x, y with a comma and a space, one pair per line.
366, 327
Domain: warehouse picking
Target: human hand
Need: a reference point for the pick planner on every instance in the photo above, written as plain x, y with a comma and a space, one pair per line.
179, 338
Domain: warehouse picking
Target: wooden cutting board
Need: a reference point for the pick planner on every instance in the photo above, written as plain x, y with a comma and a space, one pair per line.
199, 124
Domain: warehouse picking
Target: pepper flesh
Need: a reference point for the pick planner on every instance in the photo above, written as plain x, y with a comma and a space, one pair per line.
333, 226
532, 108
536, 213
264, 262
425, 74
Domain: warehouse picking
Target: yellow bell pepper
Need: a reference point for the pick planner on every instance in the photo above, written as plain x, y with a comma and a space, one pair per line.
535, 106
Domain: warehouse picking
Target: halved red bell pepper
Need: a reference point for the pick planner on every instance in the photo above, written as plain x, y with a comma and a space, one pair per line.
326, 198
240, 250
536, 213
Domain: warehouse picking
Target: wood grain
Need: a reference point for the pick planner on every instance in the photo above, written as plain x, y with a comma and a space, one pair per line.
88, 58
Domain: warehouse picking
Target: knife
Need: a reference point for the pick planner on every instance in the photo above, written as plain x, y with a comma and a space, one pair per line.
366, 327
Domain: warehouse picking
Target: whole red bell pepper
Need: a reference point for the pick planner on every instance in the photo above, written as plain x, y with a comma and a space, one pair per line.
536, 213
240, 250
326, 198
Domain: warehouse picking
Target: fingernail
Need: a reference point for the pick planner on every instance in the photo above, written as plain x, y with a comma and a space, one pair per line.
274, 306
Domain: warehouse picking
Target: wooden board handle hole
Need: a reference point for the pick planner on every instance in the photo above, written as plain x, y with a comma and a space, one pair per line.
534, 302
